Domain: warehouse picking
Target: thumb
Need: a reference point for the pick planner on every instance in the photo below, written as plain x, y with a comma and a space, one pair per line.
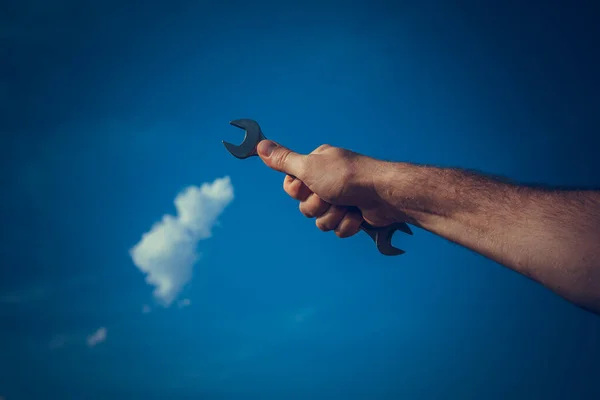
281, 158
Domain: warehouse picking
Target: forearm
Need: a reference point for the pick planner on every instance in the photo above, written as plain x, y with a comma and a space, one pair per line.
550, 236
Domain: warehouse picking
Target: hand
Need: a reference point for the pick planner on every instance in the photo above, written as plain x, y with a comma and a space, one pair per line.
334, 185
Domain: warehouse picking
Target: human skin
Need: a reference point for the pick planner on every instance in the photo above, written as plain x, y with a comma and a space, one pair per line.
549, 235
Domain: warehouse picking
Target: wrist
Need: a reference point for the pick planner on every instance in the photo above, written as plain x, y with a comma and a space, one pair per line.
390, 183
408, 192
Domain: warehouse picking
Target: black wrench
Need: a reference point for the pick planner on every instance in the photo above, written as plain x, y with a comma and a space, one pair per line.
382, 236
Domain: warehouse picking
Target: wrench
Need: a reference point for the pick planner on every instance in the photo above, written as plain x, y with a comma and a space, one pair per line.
382, 236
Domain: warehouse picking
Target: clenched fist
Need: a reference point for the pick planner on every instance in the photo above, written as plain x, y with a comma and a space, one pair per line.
336, 186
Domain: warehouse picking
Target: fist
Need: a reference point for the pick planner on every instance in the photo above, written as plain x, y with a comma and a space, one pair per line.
335, 186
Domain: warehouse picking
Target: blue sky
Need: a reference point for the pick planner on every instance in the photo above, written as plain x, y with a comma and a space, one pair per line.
110, 110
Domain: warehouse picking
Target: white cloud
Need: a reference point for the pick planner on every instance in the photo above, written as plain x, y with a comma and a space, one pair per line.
167, 253
97, 337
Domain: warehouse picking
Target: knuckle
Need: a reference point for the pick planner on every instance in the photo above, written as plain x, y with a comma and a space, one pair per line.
339, 152
293, 187
280, 156
307, 209
341, 233
322, 147
288, 179
331, 220
287, 182
314, 206
323, 225
304, 211
349, 226
321, 207
349, 233
319, 225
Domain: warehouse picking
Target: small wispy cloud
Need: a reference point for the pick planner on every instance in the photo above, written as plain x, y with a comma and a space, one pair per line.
97, 337
167, 253
41, 291
57, 342
302, 315
32, 293
184, 303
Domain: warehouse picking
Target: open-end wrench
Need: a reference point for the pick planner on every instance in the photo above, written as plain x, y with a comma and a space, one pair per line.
382, 236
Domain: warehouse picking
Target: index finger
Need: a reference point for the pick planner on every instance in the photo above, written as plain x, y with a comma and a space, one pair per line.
296, 188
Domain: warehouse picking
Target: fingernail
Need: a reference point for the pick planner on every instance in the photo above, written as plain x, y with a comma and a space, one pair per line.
266, 147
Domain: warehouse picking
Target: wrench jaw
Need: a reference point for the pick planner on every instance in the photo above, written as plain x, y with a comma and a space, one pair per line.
251, 139
382, 236
240, 151
245, 124
384, 244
